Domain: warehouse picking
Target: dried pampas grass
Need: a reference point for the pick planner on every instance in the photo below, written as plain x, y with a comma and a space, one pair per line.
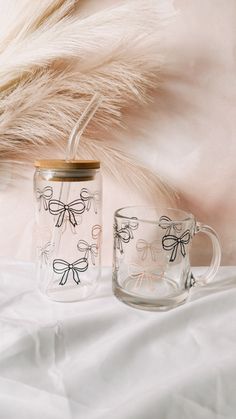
54, 57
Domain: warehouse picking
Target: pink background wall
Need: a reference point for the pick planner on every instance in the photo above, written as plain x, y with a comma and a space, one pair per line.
188, 135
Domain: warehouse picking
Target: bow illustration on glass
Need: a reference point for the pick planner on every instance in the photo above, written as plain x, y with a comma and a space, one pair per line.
45, 251
144, 276
97, 234
57, 207
173, 243
67, 222
43, 196
167, 224
121, 236
64, 268
144, 248
90, 250
90, 197
130, 226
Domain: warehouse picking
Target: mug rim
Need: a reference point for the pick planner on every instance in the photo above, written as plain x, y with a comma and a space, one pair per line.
188, 215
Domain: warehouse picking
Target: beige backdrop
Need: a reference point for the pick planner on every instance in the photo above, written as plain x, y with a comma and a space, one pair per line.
188, 135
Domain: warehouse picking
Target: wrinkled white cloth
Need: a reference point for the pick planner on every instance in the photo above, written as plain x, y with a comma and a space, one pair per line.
100, 359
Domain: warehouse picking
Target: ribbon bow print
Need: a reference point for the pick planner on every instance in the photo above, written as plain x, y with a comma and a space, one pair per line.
143, 248
130, 226
90, 250
121, 236
167, 224
172, 243
140, 275
72, 227
43, 196
45, 251
97, 233
90, 197
60, 266
57, 207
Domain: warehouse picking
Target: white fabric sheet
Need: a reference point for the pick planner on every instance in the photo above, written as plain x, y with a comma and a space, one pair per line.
101, 359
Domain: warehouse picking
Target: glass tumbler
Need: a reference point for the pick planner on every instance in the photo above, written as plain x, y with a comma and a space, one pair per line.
151, 266
68, 198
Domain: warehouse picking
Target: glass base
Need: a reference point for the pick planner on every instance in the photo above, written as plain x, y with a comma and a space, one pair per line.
71, 294
149, 303
50, 287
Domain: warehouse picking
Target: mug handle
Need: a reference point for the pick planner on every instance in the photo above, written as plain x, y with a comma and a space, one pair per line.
203, 279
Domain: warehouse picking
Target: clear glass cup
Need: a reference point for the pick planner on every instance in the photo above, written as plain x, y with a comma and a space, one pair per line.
151, 263
68, 199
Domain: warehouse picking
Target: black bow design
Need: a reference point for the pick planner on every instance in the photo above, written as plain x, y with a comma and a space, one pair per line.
90, 197
130, 226
170, 242
57, 207
167, 224
43, 196
88, 249
121, 236
60, 266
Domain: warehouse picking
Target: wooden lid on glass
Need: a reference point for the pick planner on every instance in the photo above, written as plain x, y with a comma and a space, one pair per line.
63, 164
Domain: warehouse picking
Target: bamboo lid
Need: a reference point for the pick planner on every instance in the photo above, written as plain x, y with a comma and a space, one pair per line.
63, 164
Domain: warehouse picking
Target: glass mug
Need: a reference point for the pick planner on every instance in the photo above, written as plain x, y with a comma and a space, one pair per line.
151, 266
68, 218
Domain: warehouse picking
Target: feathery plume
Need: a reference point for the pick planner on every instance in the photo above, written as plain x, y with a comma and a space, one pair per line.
53, 59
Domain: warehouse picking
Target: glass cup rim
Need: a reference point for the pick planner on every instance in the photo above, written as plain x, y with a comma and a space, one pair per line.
188, 216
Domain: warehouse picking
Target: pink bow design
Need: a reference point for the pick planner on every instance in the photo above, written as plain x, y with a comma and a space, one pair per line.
88, 249
167, 224
97, 234
45, 251
89, 198
140, 275
143, 248
43, 196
